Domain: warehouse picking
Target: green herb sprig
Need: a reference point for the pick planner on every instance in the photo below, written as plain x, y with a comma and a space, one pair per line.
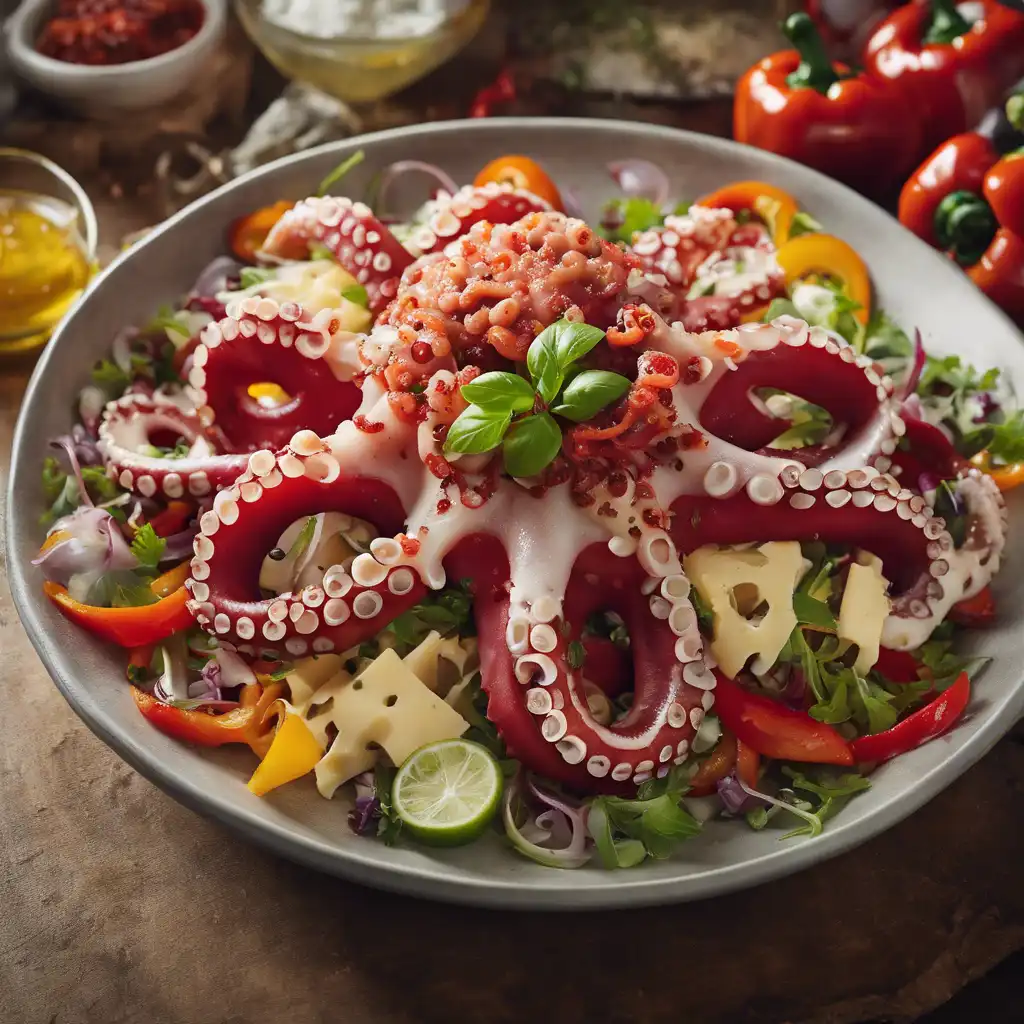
519, 414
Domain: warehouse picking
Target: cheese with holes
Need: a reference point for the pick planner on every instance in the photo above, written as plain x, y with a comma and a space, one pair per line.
426, 660
719, 574
309, 674
386, 707
864, 609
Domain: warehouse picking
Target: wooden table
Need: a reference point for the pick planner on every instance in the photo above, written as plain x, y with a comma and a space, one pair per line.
121, 906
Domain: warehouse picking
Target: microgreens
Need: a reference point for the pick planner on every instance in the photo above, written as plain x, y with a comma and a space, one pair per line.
519, 414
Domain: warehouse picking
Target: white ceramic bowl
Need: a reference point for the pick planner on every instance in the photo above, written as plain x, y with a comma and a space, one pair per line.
109, 90
915, 284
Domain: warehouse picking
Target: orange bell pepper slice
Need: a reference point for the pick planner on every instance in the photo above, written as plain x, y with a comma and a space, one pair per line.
129, 627
244, 724
826, 254
294, 752
1004, 477
773, 205
520, 172
715, 767
247, 234
170, 581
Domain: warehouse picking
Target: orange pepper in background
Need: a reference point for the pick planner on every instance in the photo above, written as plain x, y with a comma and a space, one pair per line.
826, 254
520, 172
715, 767
129, 627
247, 234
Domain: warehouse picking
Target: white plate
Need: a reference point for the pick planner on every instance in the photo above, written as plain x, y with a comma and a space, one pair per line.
915, 284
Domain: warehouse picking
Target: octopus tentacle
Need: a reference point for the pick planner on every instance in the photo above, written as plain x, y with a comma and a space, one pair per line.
262, 341
810, 364
449, 217
276, 489
702, 251
356, 238
539, 702
128, 427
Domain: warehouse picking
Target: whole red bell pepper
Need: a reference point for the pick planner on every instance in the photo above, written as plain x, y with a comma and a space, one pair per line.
967, 199
773, 730
799, 104
950, 69
930, 721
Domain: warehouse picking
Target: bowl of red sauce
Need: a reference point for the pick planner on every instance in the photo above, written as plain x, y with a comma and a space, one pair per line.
106, 57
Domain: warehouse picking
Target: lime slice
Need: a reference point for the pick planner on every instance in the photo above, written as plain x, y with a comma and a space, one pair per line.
446, 793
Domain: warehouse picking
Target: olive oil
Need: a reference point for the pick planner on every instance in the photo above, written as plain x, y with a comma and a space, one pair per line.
43, 266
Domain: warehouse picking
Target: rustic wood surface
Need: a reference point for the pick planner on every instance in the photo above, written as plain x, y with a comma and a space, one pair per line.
121, 906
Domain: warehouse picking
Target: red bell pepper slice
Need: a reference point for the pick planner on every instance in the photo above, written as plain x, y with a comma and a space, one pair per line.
244, 724
976, 612
775, 731
173, 518
129, 627
930, 721
897, 666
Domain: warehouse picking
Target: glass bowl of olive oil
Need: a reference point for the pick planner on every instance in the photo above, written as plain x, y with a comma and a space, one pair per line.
360, 51
48, 240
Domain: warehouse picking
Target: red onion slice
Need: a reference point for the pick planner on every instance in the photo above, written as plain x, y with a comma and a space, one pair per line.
396, 170
641, 179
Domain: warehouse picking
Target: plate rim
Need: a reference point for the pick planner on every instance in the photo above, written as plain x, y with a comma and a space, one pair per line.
434, 880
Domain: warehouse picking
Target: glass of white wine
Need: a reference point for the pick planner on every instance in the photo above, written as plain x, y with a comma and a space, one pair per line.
360, 51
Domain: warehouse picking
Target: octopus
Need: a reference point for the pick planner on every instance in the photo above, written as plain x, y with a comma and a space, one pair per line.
683, 460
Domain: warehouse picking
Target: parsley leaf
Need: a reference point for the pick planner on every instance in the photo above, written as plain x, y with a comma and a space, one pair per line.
389, 826
623, 218
651, 825
252, 277
147, 547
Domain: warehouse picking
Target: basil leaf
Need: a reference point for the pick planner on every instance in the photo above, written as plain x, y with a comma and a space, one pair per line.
355, 293
531, 444
812, 612
543, 363
589, 392
500, 390
477, 430
573, 341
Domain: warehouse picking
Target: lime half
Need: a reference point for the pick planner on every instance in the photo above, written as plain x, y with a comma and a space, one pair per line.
446, 793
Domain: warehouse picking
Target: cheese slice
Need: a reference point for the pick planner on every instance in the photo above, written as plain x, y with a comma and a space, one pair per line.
386, 707
864, 609
774, 569
426, 660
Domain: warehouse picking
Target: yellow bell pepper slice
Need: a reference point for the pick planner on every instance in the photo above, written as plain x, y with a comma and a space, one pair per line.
293, 753
773, 205
826, 254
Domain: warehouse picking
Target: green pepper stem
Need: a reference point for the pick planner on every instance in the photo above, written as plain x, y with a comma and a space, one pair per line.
1015, 111
815, 70
965, 226
947, 24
